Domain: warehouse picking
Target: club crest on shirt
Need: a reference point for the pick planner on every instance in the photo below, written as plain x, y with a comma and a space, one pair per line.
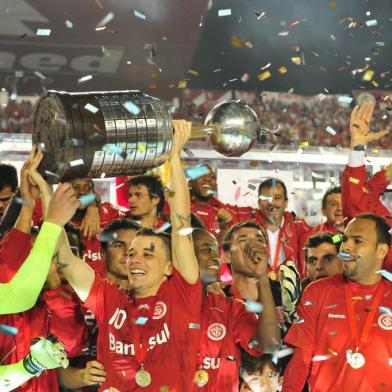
159, 310
216, 331
385, 322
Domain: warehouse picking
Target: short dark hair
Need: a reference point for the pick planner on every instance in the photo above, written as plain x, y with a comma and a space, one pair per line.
382, 227
113, 226
226, 241
8, 177
252, 364
330, 191
165, 237
322, 238
72, 229
153, 185
272, 183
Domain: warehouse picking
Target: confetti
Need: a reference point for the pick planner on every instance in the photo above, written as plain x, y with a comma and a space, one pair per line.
304, 144
8, 329
336, 238
85, 200
345, 99
264, 75
76, 162
50, 174
43, 32
91, 108
195, 172
296, 60
384, 309
185, 231
368, 75
224, 12
353, 180
344, 256
371, 22
284, 352
141, 320
85, 78
69, 24
108, 236
318, 358
194, 326
282, 70
253, 307
385, 274
308, 303
39, 75
266, 198
298, 321
284, 33
331, 306
163, 228
245, 77
182, 84
139, 15
330, 130
24, 202
113, 148
265, 67
107, 18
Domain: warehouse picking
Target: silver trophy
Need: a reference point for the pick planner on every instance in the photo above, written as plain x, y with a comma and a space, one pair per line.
111, 133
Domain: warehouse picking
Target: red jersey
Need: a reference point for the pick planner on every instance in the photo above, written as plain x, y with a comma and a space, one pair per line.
208, 214
57, 312
291, 237
172, 333
226, 326
92, 246
360, 195
324, 336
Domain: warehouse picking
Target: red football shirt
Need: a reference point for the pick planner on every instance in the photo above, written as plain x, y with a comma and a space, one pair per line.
226, 325
324, 336
172, 334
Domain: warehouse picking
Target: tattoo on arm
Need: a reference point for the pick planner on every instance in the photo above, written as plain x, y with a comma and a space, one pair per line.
180, 222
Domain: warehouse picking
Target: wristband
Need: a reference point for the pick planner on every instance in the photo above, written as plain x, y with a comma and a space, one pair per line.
359, 147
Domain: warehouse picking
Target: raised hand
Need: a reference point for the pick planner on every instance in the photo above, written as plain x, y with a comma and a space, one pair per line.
63, 205
182, 133
360, 126
258, 253
28, 190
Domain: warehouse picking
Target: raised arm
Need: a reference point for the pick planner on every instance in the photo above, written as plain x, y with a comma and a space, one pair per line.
184, 259
22, 291
358, 195
78, 274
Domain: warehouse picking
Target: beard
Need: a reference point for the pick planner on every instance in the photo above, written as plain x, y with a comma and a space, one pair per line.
350, 273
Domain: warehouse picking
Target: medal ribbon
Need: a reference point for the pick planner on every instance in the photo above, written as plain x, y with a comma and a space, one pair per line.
362, 338
140, 345
275, 263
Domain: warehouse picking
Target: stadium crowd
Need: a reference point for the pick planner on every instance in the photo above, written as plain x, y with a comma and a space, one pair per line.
185, 293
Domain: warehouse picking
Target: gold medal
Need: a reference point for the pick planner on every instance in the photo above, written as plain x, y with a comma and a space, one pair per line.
143, 378
201, 378
356, 360
273, 275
